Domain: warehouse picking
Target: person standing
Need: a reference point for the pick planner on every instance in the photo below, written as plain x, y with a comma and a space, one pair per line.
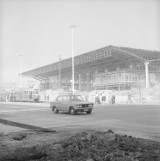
97, 99
30, 95
103, 97
113, 97
129, 100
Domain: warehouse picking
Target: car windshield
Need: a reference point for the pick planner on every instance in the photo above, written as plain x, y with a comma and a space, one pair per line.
76, 98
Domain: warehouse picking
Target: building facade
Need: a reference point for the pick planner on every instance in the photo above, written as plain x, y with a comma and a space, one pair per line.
106, 68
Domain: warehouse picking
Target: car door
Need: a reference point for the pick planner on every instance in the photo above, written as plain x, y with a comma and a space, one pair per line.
65, 103
59, 103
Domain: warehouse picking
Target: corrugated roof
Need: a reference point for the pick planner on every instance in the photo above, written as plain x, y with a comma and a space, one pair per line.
109, 56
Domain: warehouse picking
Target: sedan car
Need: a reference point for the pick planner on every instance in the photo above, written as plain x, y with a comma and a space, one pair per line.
71, 104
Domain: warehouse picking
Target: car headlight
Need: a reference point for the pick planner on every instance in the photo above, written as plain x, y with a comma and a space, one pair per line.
90, 105
79, 105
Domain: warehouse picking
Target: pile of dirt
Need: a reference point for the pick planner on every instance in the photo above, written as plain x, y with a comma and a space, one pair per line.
88, 146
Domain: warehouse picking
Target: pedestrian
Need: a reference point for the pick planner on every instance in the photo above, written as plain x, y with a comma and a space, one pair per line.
113, 97
30, 95
97, 99
129, 100
103, 97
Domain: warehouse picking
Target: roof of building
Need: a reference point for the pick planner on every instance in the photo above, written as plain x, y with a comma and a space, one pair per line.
110, 57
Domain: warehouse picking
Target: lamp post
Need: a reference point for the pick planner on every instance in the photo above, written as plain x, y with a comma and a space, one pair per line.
59, 71
20, 70
72, 29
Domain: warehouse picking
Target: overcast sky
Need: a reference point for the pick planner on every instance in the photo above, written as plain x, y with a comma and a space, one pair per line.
39, 29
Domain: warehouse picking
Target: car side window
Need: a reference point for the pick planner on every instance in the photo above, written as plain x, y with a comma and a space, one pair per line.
71, 98
59, 98
65, 98
79, 98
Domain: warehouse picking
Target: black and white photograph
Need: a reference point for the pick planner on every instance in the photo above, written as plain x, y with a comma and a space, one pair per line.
79, 80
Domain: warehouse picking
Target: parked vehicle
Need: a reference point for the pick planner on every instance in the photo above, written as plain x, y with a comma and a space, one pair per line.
71, 104
3, 96
26, 96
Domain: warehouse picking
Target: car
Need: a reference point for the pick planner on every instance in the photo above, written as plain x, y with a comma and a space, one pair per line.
71, 104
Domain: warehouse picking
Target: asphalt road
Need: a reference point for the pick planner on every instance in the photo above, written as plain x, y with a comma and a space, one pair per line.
137, 120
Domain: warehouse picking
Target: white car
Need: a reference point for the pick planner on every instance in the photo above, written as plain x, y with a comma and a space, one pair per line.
71, 104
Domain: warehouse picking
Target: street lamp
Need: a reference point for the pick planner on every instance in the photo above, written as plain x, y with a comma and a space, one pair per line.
59, 71
20, 70
72, 29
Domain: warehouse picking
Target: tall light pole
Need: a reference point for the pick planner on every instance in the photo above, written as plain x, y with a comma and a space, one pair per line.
59, 71
20, 70
72, 29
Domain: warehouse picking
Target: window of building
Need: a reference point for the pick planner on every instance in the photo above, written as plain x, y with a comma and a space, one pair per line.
90, 57
103, 53
100, 55
126, 77
133, 77
97, 56
130, 77
93, 56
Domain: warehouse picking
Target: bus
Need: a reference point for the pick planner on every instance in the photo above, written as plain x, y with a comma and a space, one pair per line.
3, 96
26, 96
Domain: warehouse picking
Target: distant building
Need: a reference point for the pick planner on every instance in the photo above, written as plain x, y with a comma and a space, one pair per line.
7, 86
110, 67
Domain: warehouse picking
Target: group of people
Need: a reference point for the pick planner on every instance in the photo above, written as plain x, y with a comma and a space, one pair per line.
101, 98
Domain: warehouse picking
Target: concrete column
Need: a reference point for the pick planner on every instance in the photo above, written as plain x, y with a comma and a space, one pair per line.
88, 82
147, 74
118, 81
80, 82
65, 83
106, 72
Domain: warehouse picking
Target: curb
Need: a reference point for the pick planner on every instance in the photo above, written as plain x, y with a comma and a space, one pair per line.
25, 103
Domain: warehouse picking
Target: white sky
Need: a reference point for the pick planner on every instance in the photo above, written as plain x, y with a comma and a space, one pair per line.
39, 29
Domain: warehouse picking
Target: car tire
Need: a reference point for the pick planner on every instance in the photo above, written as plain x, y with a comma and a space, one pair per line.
54, 109
72, 111
89, 112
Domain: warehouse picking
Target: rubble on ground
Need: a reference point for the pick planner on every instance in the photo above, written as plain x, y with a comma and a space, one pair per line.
82, 146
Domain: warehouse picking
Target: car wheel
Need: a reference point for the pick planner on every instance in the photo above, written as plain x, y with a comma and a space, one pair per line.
89, 112
55, 110
72, 111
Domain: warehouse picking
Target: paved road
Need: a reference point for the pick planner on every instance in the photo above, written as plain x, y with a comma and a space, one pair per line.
138, 120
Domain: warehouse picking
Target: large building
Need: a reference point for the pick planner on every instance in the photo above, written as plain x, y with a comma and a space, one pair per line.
110, 67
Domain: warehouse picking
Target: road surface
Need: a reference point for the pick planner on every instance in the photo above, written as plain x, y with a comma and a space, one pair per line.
137, 120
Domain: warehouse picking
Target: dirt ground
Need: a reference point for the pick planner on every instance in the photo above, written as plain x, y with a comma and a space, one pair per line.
76, 145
